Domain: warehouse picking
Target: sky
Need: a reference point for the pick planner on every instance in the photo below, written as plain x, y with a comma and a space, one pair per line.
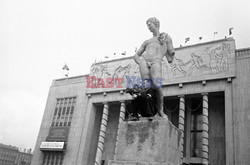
38, 37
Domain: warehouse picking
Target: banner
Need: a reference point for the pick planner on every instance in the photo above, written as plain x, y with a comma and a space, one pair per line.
58, 134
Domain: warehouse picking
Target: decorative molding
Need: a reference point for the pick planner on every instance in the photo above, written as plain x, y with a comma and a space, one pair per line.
180, 85
229, 79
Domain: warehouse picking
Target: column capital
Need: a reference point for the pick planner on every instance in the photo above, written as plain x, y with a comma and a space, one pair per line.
181, 96
205, 93
122, 101
105, 103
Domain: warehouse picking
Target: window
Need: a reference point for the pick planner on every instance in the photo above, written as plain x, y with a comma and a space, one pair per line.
63, 112
62, 116
53, 158
193, 127
196, 133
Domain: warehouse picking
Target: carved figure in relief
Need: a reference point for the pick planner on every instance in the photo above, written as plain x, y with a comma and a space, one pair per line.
100, 71
177, 64
121, 71
196, 62
137, 70
222, 53
152, 52
213, 62
219, 60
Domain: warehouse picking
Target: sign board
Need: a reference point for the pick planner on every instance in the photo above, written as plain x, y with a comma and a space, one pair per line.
52, 146
58, 134
204, 61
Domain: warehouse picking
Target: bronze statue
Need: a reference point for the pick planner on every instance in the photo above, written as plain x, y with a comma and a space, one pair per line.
149, 58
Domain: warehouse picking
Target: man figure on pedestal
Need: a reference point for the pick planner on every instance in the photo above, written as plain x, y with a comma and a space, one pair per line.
149, 58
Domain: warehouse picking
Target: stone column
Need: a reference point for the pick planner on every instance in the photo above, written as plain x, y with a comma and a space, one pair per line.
205, 136
121, 119
100, 145
181, 123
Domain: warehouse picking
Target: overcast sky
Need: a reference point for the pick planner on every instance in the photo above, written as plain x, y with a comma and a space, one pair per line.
38, 37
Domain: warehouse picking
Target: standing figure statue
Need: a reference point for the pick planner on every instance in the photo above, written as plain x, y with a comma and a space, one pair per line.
149, 58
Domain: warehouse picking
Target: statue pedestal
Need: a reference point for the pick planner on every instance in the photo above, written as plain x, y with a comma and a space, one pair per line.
148, 142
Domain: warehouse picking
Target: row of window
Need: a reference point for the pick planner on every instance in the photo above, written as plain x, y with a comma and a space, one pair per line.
8, 155
53, 158
63, 112
62, 116
7, 162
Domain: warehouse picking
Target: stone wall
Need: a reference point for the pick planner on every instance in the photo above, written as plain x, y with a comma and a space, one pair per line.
155, 141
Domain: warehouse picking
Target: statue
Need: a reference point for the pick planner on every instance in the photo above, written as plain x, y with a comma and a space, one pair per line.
149, 58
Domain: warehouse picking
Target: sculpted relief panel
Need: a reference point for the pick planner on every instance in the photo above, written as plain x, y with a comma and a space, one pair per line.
113, 75
200, 62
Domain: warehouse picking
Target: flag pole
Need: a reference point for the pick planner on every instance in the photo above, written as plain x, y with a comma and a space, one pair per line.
65, 67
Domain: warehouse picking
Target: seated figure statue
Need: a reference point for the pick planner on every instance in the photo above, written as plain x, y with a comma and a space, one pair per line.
144, 102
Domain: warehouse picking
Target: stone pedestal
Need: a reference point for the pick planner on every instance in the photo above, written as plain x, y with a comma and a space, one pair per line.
148, 142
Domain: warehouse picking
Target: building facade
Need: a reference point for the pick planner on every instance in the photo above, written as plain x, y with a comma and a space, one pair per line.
11, 155
206, 95
8, 154
24, 157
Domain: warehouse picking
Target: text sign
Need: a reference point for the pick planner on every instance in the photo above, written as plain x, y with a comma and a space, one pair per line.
52, 146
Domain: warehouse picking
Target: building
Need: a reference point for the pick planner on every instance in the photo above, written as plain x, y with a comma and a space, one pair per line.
8, 154
24, 157
11, 155
206, 95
